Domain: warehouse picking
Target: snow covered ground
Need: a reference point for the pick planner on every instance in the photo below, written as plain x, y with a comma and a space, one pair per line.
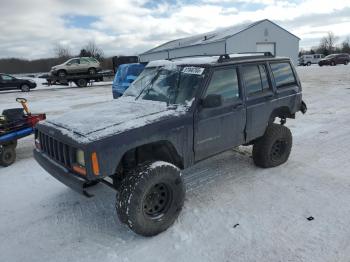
233, 211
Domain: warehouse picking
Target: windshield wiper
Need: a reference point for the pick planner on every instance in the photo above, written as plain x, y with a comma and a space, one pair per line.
149, 84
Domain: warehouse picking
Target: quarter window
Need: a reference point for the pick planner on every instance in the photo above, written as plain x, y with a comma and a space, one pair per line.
224, 82
283, 74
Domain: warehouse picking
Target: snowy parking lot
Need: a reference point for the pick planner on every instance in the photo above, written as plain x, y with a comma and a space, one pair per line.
234, 211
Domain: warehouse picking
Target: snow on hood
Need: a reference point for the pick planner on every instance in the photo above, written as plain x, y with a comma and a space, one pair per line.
112, 117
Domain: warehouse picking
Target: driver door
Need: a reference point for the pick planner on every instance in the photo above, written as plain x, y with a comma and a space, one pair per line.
222, 127
7, 82
74, 66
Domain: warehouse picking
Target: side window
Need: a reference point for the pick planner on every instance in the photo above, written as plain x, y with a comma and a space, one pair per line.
264, 81
6, 77
255, 78
74, 62
84, 61
224, 82
283, 74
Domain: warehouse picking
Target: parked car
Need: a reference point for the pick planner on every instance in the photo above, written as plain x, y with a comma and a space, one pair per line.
8, 82
335, 59
308, 60
78, 65
175, 115
125, 75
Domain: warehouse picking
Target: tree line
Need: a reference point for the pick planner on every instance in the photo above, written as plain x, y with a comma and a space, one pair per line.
329, 45
62, 54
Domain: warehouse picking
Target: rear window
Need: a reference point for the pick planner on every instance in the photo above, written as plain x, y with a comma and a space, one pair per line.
283, 74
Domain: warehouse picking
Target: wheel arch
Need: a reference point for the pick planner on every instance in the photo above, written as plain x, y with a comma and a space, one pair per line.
159, 150
282, 112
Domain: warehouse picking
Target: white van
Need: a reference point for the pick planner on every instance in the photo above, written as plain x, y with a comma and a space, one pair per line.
308, 60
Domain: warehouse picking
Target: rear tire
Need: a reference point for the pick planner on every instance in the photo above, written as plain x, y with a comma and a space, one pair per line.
25, 88
7, 155
308, 64
273, 148
346, 62
151, 198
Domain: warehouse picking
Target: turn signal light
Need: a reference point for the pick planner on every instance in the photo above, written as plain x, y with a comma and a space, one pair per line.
95, 166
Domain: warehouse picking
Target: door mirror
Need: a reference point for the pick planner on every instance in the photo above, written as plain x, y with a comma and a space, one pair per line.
211, 101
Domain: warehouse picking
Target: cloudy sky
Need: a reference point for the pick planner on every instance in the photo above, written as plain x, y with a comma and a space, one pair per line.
31, 28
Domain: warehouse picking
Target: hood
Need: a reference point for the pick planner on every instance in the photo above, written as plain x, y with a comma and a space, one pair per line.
111, 117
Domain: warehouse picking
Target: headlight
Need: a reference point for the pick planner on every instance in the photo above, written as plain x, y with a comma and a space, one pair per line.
80, 157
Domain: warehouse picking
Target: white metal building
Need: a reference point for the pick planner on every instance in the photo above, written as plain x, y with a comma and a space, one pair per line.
261, 36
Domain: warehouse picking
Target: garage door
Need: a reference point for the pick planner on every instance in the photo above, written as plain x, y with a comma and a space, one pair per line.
266, 47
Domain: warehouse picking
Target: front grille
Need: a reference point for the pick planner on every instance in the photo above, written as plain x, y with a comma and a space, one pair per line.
56, 150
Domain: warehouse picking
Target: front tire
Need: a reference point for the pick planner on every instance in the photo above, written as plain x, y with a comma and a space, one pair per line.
274, 147
151, 198
92, 71
7, 155
62, 73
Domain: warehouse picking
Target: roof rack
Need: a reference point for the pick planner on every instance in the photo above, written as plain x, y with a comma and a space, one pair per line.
247, 55
227, 57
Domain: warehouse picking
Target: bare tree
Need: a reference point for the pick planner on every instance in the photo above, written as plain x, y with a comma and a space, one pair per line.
327, 43
62, 52
345, 46
91, 49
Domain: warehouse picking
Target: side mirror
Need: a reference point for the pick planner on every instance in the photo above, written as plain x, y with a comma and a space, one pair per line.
211, 101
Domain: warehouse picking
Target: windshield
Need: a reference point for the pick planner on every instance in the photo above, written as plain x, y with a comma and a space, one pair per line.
173, 85
330, 56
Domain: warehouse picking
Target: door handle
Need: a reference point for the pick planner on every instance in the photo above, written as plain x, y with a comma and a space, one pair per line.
237, 106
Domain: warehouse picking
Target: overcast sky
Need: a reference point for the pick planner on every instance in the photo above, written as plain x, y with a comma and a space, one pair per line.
31, 28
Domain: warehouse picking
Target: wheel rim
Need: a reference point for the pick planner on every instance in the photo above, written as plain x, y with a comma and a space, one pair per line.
61, 74
157, 201
92, 71
278, 149
25, 88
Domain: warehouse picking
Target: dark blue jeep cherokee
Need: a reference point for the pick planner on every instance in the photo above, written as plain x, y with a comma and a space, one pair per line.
175, 114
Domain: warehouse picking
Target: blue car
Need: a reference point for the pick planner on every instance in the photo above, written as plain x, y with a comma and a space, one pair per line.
125, 75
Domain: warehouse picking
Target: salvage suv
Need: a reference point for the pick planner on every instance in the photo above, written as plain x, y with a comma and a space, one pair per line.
175, 114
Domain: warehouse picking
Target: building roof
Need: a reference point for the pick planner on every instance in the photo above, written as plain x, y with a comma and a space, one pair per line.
209, 37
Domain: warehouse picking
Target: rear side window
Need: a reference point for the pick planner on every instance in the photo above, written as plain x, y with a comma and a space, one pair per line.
224, 82
255, 78
283, 74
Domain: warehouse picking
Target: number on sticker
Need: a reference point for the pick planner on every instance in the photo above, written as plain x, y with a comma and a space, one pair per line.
193, 70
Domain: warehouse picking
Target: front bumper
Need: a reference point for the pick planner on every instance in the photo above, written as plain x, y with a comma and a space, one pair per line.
62, 174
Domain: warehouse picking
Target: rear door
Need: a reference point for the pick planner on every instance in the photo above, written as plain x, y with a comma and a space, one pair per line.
259, 98
220, 128
84, 65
